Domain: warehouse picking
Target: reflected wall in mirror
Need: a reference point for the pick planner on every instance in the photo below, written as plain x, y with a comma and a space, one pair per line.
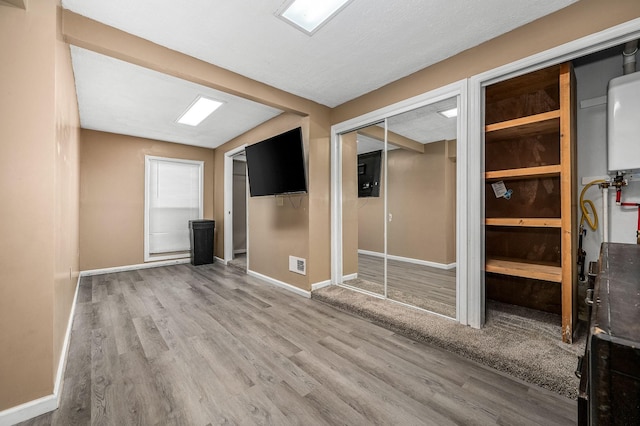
363, 202
421, 204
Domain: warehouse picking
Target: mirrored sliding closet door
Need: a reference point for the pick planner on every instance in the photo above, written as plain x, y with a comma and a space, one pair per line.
399, 207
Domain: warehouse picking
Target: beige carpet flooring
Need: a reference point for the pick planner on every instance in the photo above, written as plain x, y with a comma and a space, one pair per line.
521, 342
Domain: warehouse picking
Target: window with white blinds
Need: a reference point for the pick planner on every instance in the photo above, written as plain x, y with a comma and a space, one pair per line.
173, 197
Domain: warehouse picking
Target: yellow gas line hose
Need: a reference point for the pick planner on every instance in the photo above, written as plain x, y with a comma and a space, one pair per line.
585, 205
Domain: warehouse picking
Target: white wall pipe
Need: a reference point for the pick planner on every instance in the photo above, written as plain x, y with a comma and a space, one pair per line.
605, 214
629, 57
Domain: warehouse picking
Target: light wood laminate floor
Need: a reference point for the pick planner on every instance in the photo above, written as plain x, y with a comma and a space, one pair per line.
209, 345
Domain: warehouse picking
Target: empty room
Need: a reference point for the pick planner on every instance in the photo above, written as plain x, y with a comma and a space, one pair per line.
342, 212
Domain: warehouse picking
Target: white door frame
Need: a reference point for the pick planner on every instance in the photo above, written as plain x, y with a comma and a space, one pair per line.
458, 89
228, 202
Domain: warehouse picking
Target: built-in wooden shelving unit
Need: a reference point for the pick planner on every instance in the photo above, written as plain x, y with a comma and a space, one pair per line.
523, 173
550, 222
530, 145
523, 269
525, 126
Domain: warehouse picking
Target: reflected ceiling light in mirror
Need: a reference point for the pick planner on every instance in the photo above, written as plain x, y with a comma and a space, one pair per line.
309, 15
449, 113
200, 109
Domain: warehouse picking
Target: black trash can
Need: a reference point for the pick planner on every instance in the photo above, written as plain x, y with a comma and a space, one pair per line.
201, 235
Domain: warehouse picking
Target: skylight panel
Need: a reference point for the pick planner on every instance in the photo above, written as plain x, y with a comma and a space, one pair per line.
200, 109
310, 15
449, 113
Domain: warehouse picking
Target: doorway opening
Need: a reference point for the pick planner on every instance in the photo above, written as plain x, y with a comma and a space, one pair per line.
236, 230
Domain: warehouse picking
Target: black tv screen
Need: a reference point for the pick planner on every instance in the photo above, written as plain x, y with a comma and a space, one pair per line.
276, 165
369, 165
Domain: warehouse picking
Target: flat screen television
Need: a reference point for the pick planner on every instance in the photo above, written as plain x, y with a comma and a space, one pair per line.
369, 166
276, 165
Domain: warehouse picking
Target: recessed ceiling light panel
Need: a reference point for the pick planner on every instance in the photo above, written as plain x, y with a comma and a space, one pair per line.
200, 109
449, 113
310, 15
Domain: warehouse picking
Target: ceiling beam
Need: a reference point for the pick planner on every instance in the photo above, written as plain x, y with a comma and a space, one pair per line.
92, 35
22, 4
377, 132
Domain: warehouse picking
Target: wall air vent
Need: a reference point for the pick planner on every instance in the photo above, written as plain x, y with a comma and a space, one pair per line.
298, 265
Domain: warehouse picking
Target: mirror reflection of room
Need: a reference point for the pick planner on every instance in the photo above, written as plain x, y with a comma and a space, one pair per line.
239, 212
363, 202
408, 193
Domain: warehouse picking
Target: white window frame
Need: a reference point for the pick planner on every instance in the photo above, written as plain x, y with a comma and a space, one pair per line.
147, 169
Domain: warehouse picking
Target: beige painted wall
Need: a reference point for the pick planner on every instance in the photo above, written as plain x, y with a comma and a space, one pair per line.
301, 226
103, 39
319, 175
419, 199
349, 203
39, 186
578, 20
27, 153
67, 195
420, 194
451, 183
275, 231
112, 195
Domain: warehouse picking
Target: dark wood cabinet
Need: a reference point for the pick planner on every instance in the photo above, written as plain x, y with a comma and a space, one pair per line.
610, 392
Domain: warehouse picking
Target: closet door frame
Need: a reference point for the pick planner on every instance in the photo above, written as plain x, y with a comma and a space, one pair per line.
459, 90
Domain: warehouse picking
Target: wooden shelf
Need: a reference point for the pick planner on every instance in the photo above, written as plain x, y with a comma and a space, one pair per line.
546, 122
524, 173
524, 270
529, 136
525, 222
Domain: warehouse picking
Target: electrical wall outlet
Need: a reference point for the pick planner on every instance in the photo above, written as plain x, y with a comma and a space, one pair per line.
298, 265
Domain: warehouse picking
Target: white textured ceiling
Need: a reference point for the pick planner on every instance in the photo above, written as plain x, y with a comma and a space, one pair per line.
119, 97
368, 45
423, 125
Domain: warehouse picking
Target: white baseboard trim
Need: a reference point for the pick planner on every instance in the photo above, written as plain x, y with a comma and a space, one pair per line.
410, 260
28, 410
91, 272
240, 251
349, 277
321, 284
62, 364
221, 260
40, 406
282, 284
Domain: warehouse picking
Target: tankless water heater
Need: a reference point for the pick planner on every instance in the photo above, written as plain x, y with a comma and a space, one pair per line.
623, 123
